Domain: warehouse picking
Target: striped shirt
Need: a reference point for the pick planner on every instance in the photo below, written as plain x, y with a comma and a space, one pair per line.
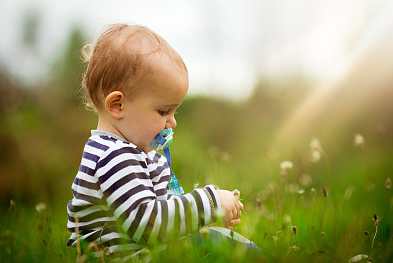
121, 201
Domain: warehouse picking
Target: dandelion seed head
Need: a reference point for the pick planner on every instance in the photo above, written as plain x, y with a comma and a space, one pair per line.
40, 207
315, 156
315, 145
286, 165
358, 140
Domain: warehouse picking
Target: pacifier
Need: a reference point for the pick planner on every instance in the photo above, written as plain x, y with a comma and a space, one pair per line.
163, 139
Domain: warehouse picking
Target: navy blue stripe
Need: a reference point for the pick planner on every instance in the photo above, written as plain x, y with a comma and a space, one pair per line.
97, 145
90, 156
187, 214
164, 219
161, 192
86, 170
201, 211
150, 223
118, 167
156, 172
137, 221
87, 198
118, 152
126, 179
107, 138
92, 216
124, 197
83, 183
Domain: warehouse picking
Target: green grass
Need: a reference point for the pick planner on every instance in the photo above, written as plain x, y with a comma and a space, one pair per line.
328, 228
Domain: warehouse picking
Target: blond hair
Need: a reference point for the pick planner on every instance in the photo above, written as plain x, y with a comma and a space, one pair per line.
122, 59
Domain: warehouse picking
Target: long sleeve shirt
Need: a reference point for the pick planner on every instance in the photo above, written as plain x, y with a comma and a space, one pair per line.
121, 201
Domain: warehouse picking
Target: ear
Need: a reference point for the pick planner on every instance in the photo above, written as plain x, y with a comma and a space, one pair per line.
114, 104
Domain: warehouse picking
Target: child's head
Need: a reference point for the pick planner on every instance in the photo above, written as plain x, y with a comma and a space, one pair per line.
135, 80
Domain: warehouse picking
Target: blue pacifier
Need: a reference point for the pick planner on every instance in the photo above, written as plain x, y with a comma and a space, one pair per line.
163, 139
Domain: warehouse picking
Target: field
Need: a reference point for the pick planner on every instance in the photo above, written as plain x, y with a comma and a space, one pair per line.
315, 192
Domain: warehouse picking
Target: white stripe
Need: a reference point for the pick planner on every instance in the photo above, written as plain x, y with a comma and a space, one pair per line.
132, 199
121, 174
100, 219
171, 217
206, 206
182, 216
157, 222
86, 177
194, 211
88, 163
86, 191
144, 221
120, 158
88, 210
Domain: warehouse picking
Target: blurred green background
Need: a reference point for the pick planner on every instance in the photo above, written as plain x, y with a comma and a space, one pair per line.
230, 143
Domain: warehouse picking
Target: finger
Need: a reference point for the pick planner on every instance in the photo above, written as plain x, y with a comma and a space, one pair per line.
241, 205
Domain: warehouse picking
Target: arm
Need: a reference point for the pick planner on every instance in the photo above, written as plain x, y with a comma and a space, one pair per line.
128, 190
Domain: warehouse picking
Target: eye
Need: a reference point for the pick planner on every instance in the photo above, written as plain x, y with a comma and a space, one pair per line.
163, 113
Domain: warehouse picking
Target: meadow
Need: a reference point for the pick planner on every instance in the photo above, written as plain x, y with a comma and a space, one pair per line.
314, 193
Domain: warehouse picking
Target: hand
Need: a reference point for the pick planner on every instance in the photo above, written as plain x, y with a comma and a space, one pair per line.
230, 205
232, 223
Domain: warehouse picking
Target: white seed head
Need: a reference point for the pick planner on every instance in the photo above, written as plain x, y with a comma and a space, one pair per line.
40, 207
358, 140
315, 156
286, 165
315, 144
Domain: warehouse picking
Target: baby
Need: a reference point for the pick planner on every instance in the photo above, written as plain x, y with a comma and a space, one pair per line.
135, 81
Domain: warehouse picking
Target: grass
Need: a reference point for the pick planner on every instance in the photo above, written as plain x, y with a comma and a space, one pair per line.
308, 213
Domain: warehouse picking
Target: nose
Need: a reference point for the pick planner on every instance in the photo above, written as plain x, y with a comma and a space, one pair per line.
171, 122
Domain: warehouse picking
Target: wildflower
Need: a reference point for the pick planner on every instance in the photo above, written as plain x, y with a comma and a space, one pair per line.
313, 191
286, 165
316, 145
315, 150
388, 183
358, 140
40, 207
324, 191
315, 156
294, 229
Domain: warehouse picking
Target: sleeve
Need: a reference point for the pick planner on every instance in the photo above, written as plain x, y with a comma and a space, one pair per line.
128, 191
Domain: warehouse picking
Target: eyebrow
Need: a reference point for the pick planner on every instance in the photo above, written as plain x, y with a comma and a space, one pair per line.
172, 105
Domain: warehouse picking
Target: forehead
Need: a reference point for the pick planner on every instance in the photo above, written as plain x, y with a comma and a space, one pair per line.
168, 81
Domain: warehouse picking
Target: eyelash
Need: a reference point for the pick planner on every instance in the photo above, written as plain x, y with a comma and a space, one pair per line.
164, 113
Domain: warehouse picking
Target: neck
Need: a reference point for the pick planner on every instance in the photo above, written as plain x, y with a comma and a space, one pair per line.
105, 125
